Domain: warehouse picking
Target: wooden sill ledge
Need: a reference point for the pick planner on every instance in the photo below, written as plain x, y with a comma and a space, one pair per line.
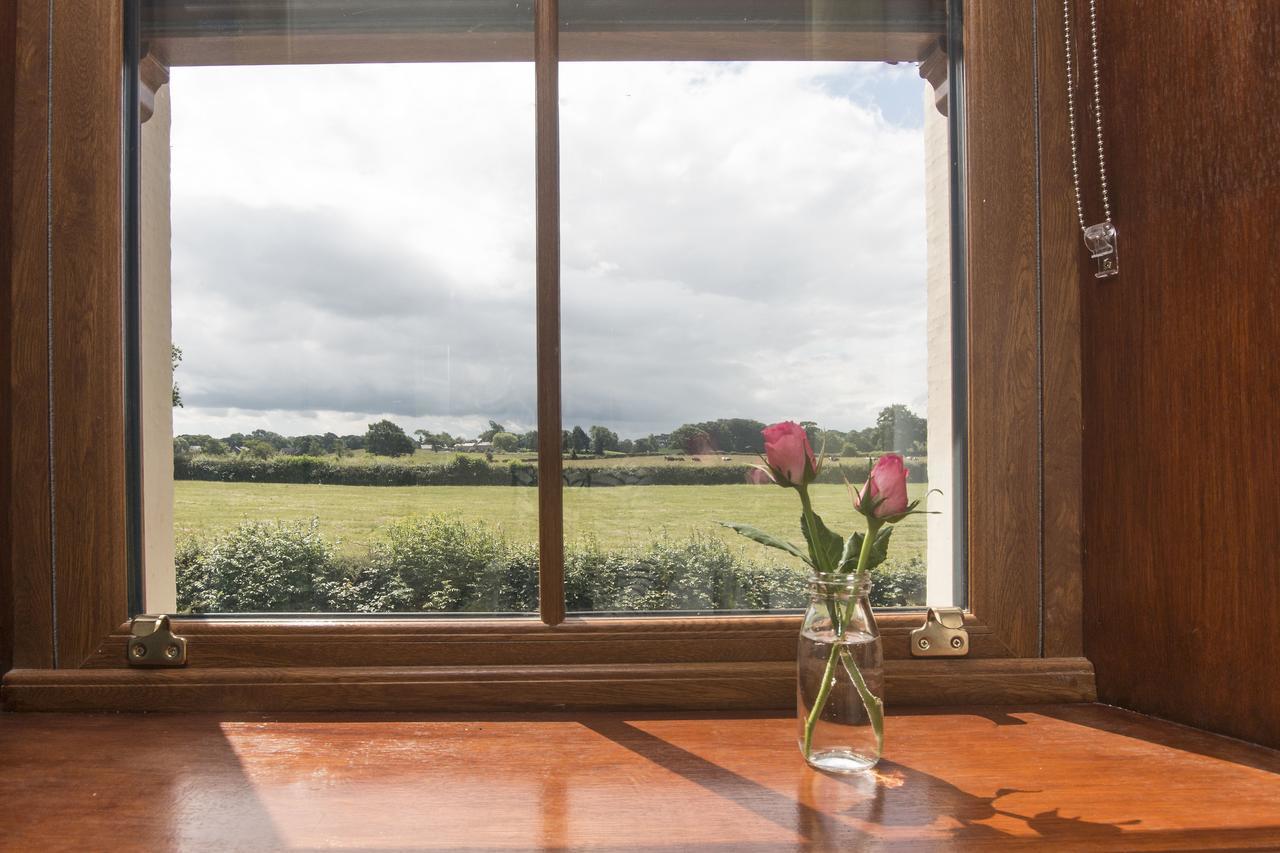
982, 778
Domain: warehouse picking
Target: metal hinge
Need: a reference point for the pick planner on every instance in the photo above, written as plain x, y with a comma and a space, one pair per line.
154, 644
943, 634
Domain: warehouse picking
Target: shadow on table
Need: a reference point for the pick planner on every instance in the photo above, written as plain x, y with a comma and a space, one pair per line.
896, 796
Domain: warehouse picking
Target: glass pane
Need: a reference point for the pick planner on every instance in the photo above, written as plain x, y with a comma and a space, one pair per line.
338, 241
747, 241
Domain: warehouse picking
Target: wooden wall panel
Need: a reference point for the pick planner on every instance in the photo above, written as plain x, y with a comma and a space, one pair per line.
1004, 469
8, 64
87, 347
1181, 375
1061, 426
28, 548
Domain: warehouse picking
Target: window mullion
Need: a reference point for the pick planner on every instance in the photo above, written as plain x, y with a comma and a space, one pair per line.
551, 604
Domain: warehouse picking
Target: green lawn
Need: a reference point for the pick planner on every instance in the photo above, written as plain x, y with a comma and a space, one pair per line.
617, 517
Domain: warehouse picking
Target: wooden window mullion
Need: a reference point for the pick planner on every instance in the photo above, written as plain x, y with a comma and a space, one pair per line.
551, 604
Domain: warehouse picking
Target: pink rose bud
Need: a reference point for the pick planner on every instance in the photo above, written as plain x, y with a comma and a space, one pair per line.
787, 450
888, 481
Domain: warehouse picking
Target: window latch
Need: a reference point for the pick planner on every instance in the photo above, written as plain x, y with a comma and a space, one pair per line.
942, 635
154, 644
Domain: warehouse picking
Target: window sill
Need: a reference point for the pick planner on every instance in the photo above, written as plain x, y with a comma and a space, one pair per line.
732, 685
963, 778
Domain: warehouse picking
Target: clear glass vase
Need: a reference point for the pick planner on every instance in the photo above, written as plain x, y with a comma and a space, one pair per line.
841, 724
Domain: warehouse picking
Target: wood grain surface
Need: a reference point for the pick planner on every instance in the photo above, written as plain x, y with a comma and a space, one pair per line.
1182, 385
1003, 379
267, 642
1061, 256
28, 549
1062, 778
551, 604
87, 350
752, 685
8, 65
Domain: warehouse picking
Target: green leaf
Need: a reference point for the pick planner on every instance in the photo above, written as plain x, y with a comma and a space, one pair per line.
757, 535
824, 545
853, 549
849, 556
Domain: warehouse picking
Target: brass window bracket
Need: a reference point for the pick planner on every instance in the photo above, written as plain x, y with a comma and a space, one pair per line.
154, 644
942, 635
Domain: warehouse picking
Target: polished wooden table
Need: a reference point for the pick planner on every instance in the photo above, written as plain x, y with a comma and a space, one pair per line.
1076, 777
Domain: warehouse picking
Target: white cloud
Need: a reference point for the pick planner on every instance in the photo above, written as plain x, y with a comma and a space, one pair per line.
738, 240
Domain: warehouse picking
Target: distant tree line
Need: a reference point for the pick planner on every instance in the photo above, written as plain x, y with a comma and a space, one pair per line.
897, 429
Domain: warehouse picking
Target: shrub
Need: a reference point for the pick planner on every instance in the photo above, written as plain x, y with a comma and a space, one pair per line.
899, 582
439, 563
468, 470
258, 566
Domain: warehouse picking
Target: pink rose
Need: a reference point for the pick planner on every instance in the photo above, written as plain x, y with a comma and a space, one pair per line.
888, 481
787, 450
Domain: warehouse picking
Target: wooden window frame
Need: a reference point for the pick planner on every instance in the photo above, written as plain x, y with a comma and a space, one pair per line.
65, 438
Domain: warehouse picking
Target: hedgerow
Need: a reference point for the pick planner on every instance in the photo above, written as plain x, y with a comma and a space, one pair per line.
476, 471
439, 563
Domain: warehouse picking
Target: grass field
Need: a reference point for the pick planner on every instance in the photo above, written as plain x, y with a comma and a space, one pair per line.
616, 517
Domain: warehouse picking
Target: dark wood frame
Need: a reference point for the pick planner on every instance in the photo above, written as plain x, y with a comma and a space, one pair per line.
65, 439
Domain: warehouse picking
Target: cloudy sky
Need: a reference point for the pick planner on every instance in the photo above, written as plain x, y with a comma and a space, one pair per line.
357, 242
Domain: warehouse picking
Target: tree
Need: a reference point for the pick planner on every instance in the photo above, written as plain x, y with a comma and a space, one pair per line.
308, 445
745, 435
424, 437
627, 445
643, 445
693, 439
505, 442
208, 445
863, 441
386, 439
275, 439
259, 449
579, 441
494, 429
603, 439
813, 433
901, 430
175, 357
529, 440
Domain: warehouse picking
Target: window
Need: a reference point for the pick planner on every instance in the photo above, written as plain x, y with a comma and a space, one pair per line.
344, 250
70, 531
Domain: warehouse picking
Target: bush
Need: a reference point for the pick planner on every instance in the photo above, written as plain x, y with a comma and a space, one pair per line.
899, 582
258, 566
466, 470
462, 470
442, 564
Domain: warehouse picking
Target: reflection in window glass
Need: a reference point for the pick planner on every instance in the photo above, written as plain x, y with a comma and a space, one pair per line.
352, 295
743, 243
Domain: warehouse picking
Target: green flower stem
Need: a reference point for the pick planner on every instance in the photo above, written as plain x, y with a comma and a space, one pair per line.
874, 704
875, 709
